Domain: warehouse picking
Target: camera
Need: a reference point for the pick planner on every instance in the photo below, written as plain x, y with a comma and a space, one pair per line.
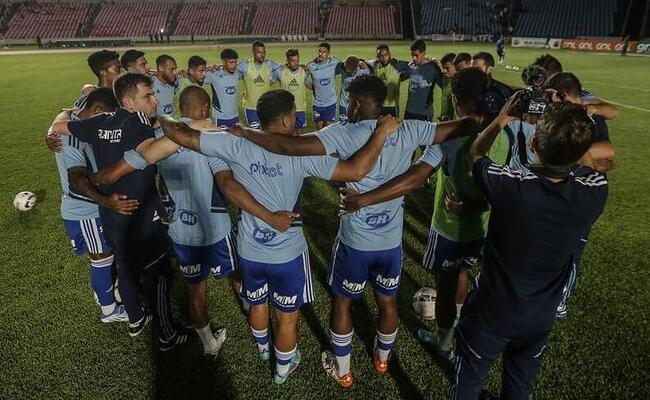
533, 99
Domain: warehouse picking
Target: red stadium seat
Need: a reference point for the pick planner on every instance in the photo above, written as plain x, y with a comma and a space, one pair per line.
203, 19
47, 20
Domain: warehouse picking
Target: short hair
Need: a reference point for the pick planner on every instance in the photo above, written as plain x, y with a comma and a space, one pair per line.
291, 53
566, 82
468, 86
551, 64
193, 96
352, 62
130, 57
258, 43
487, 58
383, 47
419, 45
368, 86
229, 54
127, 84
196, 61
103, 96
274, 104
462, 57
100, 60
564, 133
163, 58
325, 44
449, 57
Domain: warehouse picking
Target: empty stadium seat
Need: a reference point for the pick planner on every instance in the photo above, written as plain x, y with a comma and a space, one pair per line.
362, 20
48, 20
130, 19
203, 19
285, 17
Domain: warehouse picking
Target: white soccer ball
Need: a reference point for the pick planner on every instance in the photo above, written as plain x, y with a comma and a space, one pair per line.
25, 201
508, 66
424, 303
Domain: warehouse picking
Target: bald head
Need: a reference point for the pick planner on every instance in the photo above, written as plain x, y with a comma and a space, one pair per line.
194, 103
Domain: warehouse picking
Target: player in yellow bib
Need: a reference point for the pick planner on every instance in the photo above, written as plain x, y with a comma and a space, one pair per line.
194, 76
294, 79
392, 72
259, 74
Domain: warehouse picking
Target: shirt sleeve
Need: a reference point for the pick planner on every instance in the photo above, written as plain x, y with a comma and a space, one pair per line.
438, 76
421, 132
274, 67
137, 131
86, 129
217, 165
277, 75
72, 156
337, 141
498, 182
402, 68
319, 166
242, 67
219, 144
432, 155
308, 79
135, 160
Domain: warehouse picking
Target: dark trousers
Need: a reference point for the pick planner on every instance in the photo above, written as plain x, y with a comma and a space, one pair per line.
476, 350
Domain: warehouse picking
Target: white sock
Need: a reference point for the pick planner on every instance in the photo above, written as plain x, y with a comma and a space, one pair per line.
283, 360
107, 310
385, 342
210, 344
342, 345
458, 308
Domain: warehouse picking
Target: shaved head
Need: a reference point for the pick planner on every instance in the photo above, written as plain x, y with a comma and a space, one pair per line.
194, 103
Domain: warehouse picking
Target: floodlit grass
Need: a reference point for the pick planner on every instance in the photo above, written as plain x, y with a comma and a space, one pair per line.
52, 344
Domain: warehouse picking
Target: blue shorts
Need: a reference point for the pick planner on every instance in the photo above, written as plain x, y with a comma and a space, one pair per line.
289, 284
327, 113
352, 268
196, 262
343, 114
301, 119
87, 236
445, 255
227, 123
251, 118
393, 110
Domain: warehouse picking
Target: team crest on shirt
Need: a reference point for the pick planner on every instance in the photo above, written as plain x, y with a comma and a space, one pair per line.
391, 141
377, 220
230, 89
168, 108
188, 217
259, 81
263, 235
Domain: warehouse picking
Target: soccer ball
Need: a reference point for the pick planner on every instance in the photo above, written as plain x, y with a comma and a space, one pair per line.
25, 201
424, 303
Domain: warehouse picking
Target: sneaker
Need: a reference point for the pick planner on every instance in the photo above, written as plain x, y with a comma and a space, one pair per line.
265, 355
293, 364
220, 336
181, 336
137, 327
118, 315
380, 366
331, 367
430, 339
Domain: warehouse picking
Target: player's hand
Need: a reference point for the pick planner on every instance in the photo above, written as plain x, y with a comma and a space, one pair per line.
237, 130
203, 125
454, 204
213, 67
120, 204
306, 68
181, 73
387, 124
282, 220
363, 64
54, 142
349, 201
88, 89
508, 111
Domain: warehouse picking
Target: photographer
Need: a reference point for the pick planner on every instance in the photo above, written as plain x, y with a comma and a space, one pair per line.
536, 223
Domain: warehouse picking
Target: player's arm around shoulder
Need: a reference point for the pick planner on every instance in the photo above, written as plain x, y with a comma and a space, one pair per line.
304, 145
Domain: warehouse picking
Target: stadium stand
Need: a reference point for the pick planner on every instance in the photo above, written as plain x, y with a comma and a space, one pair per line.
457, 16
210, 19
283, 17
49, 20
566, 18
349, 21
135, 19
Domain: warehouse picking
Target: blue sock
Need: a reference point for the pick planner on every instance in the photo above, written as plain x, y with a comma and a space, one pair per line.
342, 348
262, 339
101, 279
282, 360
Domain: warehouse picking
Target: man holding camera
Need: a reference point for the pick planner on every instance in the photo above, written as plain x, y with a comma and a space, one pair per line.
512, 309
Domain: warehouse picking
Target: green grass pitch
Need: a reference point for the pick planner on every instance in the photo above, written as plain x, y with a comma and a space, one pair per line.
53, 346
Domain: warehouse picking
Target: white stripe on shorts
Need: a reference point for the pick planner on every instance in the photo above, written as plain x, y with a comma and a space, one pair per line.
90, 233
308, 291
335, 249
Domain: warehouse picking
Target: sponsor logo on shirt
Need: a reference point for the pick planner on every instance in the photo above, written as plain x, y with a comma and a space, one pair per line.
263, 235
387, 283
285, 301
353, 287
259, 293
113, 136
230, 89
293, 85
259, 168
259, 81
188, 217
324, 82
168, 108
391, 141
377, 220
